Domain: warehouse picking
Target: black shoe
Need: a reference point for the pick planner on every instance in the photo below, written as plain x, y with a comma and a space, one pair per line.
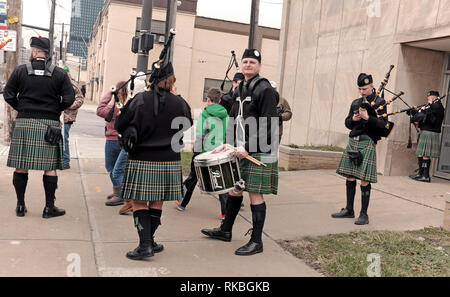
249, 249
50, 212
142, 252
217, 233
362, 220
344, 213
157, 247
415, 177
21, 210
66, 166
424, 179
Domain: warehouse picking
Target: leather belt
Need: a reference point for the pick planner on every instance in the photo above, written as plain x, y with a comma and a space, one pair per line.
361, 137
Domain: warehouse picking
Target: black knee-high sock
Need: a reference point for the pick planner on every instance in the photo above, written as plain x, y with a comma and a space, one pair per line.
420, 162
155, 219
50, 186
142, 222
426, 168
233, 207
365, 198
20, 181
351, 190
258, 218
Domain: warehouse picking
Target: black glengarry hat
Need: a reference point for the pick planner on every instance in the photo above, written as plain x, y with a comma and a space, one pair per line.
433, 93
41, 43
238, 76
160, 74
252, 53
364, 80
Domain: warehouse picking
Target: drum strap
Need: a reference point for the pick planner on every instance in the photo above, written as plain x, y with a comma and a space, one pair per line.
240, 130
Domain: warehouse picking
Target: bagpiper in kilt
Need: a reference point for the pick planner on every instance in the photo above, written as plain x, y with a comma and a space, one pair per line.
429, 120
359, 160
255, 99
153, 171
39, 91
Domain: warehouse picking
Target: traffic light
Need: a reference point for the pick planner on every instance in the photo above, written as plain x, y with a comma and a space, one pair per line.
135, 44
147, 40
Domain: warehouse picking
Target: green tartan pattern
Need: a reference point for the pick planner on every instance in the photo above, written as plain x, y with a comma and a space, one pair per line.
260, 179
29, 150
428, 145
152, 181
368, 169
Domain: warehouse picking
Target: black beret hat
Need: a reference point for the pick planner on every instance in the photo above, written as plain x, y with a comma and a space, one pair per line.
160, 74
41, 43
433, 93
252, 53
238, 76
364, 80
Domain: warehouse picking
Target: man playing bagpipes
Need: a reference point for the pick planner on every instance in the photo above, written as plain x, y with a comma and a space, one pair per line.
429, 119
359, 158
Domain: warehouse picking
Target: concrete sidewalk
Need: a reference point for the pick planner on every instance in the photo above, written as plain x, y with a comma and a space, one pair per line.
97, 237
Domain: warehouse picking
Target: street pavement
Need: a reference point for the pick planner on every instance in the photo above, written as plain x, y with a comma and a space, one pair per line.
92, 239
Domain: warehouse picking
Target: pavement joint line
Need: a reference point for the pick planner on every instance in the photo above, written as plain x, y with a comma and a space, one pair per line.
400, 197
45, 239
98, 253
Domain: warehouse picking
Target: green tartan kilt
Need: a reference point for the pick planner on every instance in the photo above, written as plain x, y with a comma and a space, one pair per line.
152, 181
260, 179
368, 169
428, 145
29, 150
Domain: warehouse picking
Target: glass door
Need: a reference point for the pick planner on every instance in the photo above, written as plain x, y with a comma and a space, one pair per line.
443, 163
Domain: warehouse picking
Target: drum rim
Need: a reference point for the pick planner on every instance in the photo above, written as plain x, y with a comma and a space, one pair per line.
217, 161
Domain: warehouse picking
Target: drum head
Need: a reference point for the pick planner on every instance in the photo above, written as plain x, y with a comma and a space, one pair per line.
209, 159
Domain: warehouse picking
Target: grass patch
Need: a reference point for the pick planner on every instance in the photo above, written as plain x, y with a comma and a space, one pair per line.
422, 253
327, 148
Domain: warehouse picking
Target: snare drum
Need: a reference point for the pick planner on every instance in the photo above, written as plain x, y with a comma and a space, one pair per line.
217, 173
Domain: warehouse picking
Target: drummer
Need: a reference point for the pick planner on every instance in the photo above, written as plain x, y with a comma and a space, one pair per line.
209, 134
256, 103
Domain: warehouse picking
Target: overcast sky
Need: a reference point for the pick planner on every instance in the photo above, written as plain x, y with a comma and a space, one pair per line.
37, 12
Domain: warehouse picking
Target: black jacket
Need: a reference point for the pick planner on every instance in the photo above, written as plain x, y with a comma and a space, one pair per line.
155, 134
432, 118
227, 100
261, 109
373, 126
39, 97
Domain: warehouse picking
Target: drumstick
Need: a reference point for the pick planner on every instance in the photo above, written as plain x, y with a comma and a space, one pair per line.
253, 160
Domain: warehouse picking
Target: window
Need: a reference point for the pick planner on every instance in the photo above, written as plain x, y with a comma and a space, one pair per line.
158, 28
215, 83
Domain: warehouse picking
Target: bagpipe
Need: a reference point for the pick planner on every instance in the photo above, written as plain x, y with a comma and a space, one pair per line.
419, 109
373, 110
133, 75
234, 62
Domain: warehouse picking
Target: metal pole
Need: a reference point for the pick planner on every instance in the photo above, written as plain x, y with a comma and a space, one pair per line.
146, 21
168, 10
61, 44
52, 27
12, 61
253, 40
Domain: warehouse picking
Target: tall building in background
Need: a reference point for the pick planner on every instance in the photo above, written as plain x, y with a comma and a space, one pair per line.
84, 15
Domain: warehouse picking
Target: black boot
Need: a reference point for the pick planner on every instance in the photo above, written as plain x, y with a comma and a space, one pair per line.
155, 217
420, 170
20, 181
142, 222
224, 231
255, 244
348, 211
50, 186
426, 164
365, 198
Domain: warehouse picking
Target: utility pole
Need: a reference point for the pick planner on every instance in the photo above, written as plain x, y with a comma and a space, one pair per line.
52, 27
146, 22
171, 22
61, 44
254, 40
12, 61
